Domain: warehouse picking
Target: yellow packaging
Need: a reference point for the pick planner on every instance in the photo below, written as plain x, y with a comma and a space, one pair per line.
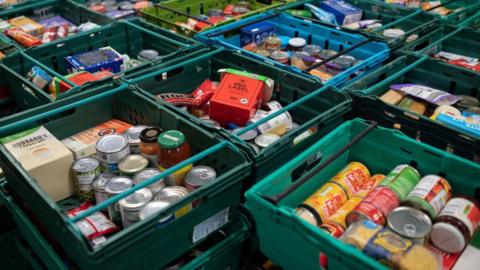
26, 24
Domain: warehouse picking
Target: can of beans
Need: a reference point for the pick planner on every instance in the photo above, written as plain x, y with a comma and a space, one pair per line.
99, 186
352, 178
322, 204
117, 185
410, 223
401, 180
131, 205
280, 56
110, 150
429, 195
375, 206
85, 170
172, 195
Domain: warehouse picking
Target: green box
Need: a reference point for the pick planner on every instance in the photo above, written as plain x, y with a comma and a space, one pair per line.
144, 243
293, 243
322, 110
391, 16
38, 10
425, 71
168, 19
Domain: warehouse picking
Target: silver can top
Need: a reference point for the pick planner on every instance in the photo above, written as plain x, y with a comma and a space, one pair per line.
409, 222
266, 139
146, 174
118, 184
86, 164
133, 134
172, 194
152, 208
102, 179
136, 200
133, 163
200, 176
247, 136
112, 143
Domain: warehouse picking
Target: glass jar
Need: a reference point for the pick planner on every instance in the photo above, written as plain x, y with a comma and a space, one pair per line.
148, 144
173, 149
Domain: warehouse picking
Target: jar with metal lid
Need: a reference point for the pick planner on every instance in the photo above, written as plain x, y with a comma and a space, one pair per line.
173, 195
324, 54
131, 205
110, 150
99, 186
296, 44
272, 44
312, 50
146, 174
117, 185
455, 225
132, 164
173, 149
148, 144
133, 137
280, 56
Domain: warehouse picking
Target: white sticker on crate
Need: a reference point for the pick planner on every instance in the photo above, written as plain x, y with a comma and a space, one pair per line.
210, 225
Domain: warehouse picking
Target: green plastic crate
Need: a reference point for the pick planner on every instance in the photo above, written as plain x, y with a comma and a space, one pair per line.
10, 255
144, 244
320, 107
6, 6
473, 21
462, 9
425, 71
167, 19
38, 10
295, 244
7, 46
125, 37
413, 23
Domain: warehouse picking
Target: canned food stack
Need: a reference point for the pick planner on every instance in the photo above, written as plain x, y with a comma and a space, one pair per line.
118, 9
402, 219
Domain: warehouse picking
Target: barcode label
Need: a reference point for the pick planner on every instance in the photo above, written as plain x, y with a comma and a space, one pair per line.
210, 225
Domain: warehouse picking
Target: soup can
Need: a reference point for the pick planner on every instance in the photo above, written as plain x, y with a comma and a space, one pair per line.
430, 195
131, 205
85, 170
375, 206
99, 186
153, 208
410, 223
146, 174
117, 185
110, 150
132, 164
172, 195
401, 180
133, 137
352, 178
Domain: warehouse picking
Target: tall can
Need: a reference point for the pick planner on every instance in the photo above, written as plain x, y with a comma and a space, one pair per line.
352, 178
110, 150
99, 186
401, 180
172, 195
85, 171
115, 186
430, 195
133, 137
131, 205
152, 208
146, 174
375, 206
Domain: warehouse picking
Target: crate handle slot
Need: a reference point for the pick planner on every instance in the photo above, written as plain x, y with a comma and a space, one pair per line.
303, 179
424, 50
183, 14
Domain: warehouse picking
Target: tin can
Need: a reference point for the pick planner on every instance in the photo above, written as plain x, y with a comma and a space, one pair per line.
266, 139
401, 180
345, 61
131, 205
322, 204
296, 44
215, 12
85, 171
146, 174
410, 223
280, 56
352, 178
333, 229
110, 150
99, 186
324, 54
278, 125
199, 176
133, 137
455, 225
153, 208
375, 206
466, 102
393, 33
250, 135
237, 11
312, 50
117, 185
272, 44
172, 195
430, 195
132, 164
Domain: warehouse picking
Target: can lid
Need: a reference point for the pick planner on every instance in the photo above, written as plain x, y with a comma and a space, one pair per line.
409, 222
200, 176
297, 42
279, 55
447, 237
138, 199
247, 136
153, 207
393, 33
102, 180
132, 163
148, 54
171, 139
266, 139
150, 134
111, 143
133, 134
86, 164
145, 174
118, 184
345, 61
172, 194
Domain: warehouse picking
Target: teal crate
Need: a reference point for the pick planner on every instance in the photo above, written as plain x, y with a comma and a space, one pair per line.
7, 46
125, 37
143, 245
5, 6
38, 10
413, 23
462, 9
10, 255
425, 71
381, 149
473, 21
309, 103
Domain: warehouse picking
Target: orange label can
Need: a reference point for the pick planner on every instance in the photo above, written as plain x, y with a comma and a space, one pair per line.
352, 178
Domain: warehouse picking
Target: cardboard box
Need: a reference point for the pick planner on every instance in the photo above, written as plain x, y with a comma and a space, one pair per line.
45, 158
256, 33
344, 12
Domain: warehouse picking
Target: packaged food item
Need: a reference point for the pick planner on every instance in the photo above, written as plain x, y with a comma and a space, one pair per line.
23, 38
148, 144
99, 187
199, 176
173, 149
133, 136
153, 208
256, 33
278, 125
145, 175
468, 123
426, 93
344, 12
95, 225
446, 109
45, 158
132, 164
266, 139
392, 97
470, 257
413, 105
361, 24
172, 195
352, 178
85, 171
111, 149
296, 44
272, 44
410, 223
115, 186
268, 82
54, 21
131, 206
321, 14
39, 77
105, 58
83, 143
455, 225
389, 248
27, 25
87, 26
401, 180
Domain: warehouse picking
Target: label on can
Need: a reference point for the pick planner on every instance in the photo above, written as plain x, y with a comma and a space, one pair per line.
100, 196
385, 244
464, 210
129, 217
352, 178
401, 180
210, 225
109, 167
86, 179
430, 194
327, 200
377, 204
340, 216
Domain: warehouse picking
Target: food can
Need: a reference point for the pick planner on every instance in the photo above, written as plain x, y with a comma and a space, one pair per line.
324, 54
401, 180
117, 185
352, 178
131, 205
237, 11
215, 12
255, 148
312, 50
278, 125
146, 174
455, 225
99, 186
333, 229
154, 207
272, 44
429, 195
393, 33
172, 195
266, 139
375, 206
249, 135
410, 223
322, 204
199, 176
280, 56
147, 55
297, 44
132, 164
345, 61
110, 150
133, 137
466, 102
85, 170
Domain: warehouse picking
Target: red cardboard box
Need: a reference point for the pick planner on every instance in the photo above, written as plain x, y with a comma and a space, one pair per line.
236, 100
